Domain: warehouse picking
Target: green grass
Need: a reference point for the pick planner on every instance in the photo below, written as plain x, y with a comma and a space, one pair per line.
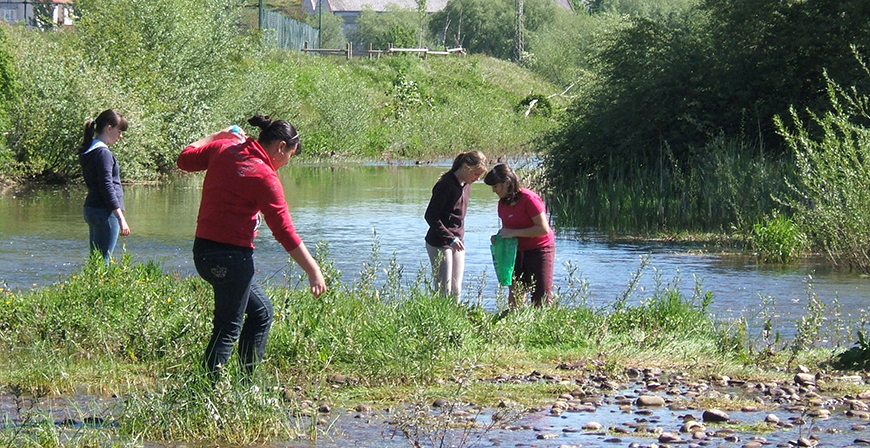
134, 331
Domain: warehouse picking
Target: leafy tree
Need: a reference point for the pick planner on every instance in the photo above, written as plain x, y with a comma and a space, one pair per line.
725, 67
488, 26
480, 26
331, 33
396, 26
178, 54
8, 85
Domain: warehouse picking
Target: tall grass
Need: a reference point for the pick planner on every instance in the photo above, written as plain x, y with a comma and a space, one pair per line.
722, 191
137, 332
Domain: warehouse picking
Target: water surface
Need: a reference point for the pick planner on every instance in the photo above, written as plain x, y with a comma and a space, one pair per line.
43, 237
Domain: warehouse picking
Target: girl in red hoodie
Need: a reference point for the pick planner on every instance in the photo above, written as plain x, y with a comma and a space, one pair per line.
241, 181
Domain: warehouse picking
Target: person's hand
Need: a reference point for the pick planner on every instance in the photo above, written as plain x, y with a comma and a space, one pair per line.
459, 245
317, 284
233, 132
505, 233
122, 221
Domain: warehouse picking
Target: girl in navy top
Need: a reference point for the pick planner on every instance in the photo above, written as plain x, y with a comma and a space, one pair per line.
104, 205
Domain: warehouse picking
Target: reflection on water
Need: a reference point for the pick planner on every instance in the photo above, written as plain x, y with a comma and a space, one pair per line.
43, 237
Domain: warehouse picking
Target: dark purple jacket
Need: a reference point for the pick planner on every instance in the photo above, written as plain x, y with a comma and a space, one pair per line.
446, 211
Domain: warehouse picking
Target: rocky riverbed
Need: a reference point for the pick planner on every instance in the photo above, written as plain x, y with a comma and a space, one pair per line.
642, 408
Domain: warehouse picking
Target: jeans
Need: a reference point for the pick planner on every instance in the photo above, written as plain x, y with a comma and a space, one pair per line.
242, 311
448, 266
103, 228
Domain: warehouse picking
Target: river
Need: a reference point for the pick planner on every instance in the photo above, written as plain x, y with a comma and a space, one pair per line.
355, 207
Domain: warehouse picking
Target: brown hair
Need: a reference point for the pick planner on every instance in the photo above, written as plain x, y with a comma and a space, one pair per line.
474, 159
278, 130
502, 173
94, 127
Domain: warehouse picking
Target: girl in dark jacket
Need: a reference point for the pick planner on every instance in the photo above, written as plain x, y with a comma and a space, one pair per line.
104, 205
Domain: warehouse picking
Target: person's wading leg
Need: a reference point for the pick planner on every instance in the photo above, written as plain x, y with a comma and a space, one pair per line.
458, 270
442, 267
255, 332
103, 229
230, 274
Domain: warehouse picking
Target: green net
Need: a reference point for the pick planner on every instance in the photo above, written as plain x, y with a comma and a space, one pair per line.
504, 255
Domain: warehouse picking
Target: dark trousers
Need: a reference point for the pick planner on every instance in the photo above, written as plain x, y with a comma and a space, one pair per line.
535, 267
242, 311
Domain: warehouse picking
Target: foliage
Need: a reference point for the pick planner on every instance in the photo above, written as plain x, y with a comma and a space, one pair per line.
397, 27
829, 195
9, 89
331, 33
487, 26
176, 83
680, 79
776, 239
856, 357
663, 197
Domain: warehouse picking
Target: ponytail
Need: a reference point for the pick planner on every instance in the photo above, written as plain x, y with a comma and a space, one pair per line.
89, 136
93, 128
278, 130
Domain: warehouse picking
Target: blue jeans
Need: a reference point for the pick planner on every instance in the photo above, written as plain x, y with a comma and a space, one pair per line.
236, 295
104, 228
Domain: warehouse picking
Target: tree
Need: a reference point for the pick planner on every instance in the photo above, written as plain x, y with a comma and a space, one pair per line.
395, 26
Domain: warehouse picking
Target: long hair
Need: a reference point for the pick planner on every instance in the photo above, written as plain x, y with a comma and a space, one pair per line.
474, 159
278, 130
502, 173
107, 117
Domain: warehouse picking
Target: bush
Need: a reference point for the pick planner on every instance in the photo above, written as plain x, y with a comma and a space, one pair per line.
777, 239
830, 198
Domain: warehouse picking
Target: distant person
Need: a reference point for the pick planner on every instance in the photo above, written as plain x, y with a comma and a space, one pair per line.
524, 217
104, 204
241, 181
446, 218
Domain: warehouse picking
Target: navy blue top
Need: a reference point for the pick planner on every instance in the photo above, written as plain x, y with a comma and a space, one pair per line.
446, 211
102, 176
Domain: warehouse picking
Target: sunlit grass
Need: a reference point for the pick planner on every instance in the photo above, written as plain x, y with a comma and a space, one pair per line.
133, 331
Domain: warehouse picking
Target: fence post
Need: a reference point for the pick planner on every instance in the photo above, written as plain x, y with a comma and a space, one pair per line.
348, 50
305, 47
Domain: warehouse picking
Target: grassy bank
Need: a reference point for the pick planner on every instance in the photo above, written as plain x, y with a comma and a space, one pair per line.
134, 331
397, 107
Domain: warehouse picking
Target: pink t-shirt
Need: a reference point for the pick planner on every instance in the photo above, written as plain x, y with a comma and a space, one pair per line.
519, 216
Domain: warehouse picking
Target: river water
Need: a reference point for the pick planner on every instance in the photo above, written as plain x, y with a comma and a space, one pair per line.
354, 207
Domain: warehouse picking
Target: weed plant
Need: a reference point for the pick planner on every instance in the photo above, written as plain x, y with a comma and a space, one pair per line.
137, 332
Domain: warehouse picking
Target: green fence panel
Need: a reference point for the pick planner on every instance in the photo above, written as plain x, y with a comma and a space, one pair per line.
289, 33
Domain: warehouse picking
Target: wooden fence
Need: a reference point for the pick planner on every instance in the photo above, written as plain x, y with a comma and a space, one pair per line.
372, 53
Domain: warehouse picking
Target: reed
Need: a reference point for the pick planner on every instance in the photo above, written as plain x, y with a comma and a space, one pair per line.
722, 191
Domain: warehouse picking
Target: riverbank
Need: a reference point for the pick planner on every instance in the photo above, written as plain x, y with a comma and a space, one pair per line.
134, 332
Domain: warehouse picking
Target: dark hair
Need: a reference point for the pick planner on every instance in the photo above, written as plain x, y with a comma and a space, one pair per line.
278, 130
107, 117
473, 159
502, 173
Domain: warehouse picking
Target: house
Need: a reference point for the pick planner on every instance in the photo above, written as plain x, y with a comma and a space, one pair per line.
58, 12
349, 9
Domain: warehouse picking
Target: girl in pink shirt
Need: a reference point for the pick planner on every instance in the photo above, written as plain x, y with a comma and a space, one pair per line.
524, 217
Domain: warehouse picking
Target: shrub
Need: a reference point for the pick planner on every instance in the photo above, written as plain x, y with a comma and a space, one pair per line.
777, 239
830, 196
